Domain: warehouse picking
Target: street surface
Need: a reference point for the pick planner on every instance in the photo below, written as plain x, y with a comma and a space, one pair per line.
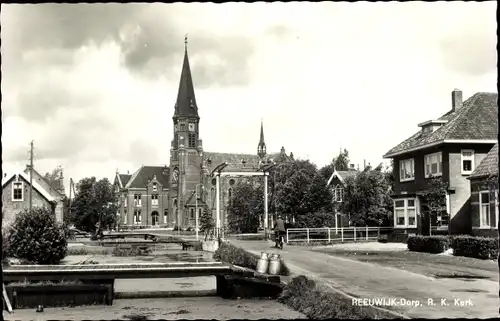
461, 298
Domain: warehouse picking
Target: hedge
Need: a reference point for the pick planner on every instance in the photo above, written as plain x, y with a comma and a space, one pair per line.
475, 246
428, 244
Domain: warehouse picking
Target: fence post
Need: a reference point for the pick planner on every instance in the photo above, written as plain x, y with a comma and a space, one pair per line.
342, 234
367, 233
354, 233
307, 229
286, 241
378, 232
329, 235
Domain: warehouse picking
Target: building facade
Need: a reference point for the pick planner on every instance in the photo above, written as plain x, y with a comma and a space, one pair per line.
16, 191
448, 148
186, 186
484, 196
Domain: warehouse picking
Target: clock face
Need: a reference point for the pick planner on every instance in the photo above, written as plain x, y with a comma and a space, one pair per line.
191, 127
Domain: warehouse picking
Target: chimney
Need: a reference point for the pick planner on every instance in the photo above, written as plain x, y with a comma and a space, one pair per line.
128, 172
456, 99
364, 163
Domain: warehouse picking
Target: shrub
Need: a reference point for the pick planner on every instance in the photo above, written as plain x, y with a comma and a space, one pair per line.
383, 238
37, 237
474, 246
428, 244
235, 255
302, 295
5, 241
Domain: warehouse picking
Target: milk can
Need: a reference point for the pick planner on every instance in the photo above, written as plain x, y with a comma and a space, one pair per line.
263, 263
274, 264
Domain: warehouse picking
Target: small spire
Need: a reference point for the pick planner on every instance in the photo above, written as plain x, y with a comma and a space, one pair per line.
185, 42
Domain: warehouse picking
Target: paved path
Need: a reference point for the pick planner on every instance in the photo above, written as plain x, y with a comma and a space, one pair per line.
371, 281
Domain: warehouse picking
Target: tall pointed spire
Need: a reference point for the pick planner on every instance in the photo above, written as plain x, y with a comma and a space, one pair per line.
261, 141
261, 148
186, 101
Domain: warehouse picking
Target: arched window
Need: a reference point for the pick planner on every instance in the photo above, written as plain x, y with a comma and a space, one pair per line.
165, 216
174, 204
230, 196
338, 193
155, 218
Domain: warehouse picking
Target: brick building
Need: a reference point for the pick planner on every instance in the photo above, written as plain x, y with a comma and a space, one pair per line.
484, 196
186, 185
449, 147
15, 195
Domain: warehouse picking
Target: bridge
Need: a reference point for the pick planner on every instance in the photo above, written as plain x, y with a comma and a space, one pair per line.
111, 272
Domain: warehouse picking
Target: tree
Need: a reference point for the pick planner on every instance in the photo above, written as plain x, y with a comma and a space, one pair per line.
246, 207
293, 181
434, 203
207, 223
367, 198
37, 237
318, 202
341, 162
95, 201
54, 178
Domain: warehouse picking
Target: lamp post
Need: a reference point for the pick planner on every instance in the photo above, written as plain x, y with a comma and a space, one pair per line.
196, 208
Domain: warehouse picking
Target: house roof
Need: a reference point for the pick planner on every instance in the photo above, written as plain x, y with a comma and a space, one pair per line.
124, 178
488, 166
36, 186
143, 175
341, 175
476, 120
54, 188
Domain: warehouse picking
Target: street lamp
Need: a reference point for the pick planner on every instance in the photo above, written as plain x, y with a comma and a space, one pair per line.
196, 207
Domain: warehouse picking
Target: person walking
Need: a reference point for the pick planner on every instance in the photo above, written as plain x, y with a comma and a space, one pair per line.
279, 229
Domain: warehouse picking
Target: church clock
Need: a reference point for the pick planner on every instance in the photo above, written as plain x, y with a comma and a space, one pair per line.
191, 127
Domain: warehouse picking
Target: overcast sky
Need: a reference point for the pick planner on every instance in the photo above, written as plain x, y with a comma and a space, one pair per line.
95, 85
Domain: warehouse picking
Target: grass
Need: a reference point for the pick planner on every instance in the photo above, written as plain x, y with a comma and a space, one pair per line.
89, 250
43, 283
237, 256
422, 263
303, 295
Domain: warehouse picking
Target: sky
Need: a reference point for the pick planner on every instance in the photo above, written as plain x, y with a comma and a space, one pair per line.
94, 85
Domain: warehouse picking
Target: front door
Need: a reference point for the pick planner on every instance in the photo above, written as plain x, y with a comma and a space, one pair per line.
155, 218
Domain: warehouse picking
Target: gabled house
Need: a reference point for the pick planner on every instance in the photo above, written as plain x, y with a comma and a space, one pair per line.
143, 196
336, 182
449, 147
484, 196
16, 195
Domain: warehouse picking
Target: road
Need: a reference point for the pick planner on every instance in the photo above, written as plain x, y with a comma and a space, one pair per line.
438, 298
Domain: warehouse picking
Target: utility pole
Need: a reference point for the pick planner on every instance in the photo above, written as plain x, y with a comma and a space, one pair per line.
70, 190
31, 175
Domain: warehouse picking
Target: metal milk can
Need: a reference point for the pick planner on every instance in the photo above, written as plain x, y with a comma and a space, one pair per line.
263, 263
274, 264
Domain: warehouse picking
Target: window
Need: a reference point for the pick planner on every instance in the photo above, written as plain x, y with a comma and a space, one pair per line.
433, 164
155, 218
165, 216
467, 161
191, 158
191, 213
117, 188
200, 213
125, 201
192, 140
155, 187
406, 170
484, 209
154, 199
338, 194
17, 191
230, 196
137, 217
182, 127
138, 200
174, 202
405, 214
124, 216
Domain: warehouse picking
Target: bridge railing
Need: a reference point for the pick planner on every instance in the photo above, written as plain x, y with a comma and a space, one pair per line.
333, 234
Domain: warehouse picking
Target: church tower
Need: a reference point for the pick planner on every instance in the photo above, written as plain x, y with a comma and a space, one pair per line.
261, 148
186, 148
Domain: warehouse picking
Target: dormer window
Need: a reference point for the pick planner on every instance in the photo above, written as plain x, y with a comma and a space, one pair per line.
431, 125
155, 187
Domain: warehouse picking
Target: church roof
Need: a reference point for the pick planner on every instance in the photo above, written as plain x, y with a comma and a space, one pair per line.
124, 178
186, 101
141, 178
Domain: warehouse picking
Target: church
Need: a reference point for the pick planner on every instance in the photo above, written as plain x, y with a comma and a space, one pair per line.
169, 196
